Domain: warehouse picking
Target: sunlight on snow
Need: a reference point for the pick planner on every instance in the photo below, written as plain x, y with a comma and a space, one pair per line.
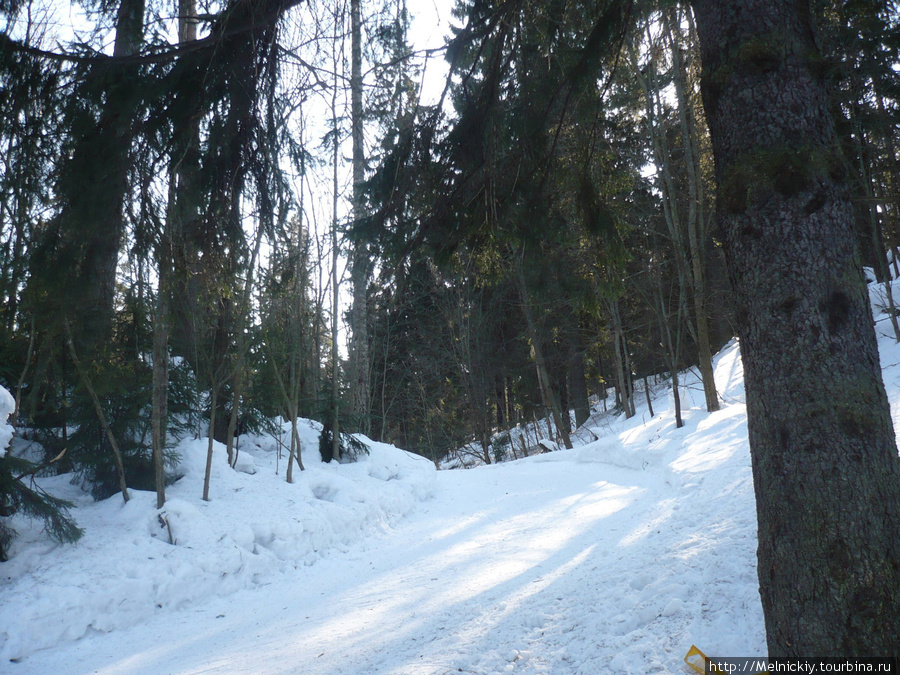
664, 510
496, 565
709, 449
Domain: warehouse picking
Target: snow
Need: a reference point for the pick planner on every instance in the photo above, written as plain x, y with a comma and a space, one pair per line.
613, 557
7, 406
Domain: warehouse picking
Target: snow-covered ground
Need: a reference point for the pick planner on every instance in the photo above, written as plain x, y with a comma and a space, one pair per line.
614, 557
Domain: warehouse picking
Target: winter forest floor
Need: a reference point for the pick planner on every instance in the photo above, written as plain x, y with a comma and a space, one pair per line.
614, 557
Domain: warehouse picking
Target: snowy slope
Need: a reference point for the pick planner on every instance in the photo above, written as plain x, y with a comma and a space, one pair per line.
613, 557
256, 527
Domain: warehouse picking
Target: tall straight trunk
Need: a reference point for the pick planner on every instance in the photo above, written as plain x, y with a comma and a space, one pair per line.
694, 222
178, 182
335, 367
882, 272
359, 268
213, 404
671, 348
665, 178
500, 396
647, 396
159, 404
562, 386
14, 418
578, 388
825, 464
540, 363
241, 347
623, 374
626, 362
887, 132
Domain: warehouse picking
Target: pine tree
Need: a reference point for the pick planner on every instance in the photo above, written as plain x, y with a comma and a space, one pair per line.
824, 456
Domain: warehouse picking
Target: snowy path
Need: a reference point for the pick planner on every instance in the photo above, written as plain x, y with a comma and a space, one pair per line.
613, 557
559, 564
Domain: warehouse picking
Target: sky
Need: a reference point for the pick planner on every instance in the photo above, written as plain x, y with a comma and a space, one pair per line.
430, 26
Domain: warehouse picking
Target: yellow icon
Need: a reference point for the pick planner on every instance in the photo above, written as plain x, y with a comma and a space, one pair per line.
698, 661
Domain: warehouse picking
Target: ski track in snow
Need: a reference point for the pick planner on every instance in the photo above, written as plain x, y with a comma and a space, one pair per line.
613, 557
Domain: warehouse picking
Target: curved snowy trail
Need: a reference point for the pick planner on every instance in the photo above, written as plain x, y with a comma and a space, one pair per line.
562, 563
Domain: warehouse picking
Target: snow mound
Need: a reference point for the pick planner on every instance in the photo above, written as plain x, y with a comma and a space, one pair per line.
135, 561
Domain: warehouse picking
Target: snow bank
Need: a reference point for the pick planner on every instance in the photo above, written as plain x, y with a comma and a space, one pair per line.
613, 557
135, 562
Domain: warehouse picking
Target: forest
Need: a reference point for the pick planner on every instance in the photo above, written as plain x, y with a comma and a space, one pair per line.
217, 214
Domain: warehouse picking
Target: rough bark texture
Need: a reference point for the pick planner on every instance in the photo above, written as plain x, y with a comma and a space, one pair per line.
824, 457
92, 217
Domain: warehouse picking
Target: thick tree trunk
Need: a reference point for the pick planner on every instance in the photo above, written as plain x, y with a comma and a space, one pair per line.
94, 188
825, 465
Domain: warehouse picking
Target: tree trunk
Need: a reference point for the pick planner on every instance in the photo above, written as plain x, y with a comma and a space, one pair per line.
541, 365
825, 465
187, 30
159, 407
86, 382
882, 272
213, 404
622, 376
694, 221
359, 268
562, 387
92, 215
578, 388
647, 396
671, 349
335, 253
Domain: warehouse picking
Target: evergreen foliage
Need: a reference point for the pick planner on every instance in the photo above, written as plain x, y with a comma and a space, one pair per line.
351, 447
17, 496
541, 232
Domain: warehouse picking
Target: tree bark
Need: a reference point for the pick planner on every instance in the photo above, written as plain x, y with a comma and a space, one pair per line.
824, 457
623, 374
671, 348
210, 447
694, 222
359, 268
86, 382
93, 214
540, 363
335, 362
159, 409
647, 396
578, 388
